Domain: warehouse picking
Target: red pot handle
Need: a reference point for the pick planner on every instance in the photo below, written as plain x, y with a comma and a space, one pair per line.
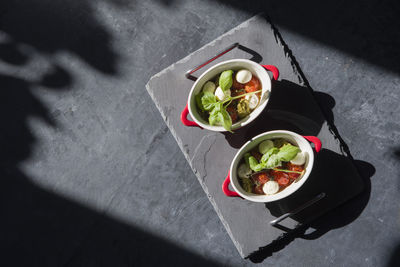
185, 120
273, 69
225, 188
315, 140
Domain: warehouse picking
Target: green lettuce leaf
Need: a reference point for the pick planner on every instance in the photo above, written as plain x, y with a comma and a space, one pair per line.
225, 80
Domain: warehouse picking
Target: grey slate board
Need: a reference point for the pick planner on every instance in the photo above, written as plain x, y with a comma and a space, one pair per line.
291, 107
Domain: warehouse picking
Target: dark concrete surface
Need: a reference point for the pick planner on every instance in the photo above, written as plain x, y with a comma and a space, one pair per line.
90, 175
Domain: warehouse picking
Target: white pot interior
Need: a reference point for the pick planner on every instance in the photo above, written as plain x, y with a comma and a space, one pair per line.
291, 137
234, 64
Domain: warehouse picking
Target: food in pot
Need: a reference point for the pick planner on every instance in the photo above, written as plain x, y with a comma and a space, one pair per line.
228, 97
209, 87
271, 167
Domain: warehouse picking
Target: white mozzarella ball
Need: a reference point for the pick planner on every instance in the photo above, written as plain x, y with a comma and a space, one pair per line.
300, 159
271, 187
244, 171
221, 95
243, 76
209, 87
264, 146
253, 100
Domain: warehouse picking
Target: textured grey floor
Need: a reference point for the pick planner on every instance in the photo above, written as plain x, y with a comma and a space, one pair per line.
90, 175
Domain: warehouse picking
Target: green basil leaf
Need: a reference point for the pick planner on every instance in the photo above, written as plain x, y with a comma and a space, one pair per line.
288, 152
208, 100
272, 162
254, 165
271, 151
218, 106
213, 119
225, 80
226, 119
198, 101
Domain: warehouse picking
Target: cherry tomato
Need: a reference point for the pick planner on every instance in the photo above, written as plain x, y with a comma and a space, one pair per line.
261, 178
259, 189
293, 167
253, 85
293, 176
282, 179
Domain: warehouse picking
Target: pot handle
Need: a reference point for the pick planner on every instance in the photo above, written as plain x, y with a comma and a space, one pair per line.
225, 188
315, 140
273, 69
185, 120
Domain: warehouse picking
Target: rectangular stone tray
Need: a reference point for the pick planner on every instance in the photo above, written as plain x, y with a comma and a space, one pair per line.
291, 107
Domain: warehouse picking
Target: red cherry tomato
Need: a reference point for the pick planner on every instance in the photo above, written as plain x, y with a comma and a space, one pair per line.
259, 190
282, 178
253, 85
261, 178
293, 167
293, 176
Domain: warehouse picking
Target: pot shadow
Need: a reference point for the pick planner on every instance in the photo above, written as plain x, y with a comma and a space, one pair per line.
394, 259
241, 51
331, 170
299, 109
290, 107
256, 57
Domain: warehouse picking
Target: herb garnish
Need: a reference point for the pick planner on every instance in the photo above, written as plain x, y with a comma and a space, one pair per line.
207, 101
273, 158
225, 80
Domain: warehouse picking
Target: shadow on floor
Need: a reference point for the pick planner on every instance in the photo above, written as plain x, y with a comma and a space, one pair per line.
336, 218
29, 28
364, 29
394, 259
39, 228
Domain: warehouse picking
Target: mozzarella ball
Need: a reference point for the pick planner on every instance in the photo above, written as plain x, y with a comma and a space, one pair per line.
264, 146
209, 87
244, 171
221, 95
253, 100
300, 159
271, 187
243, 76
